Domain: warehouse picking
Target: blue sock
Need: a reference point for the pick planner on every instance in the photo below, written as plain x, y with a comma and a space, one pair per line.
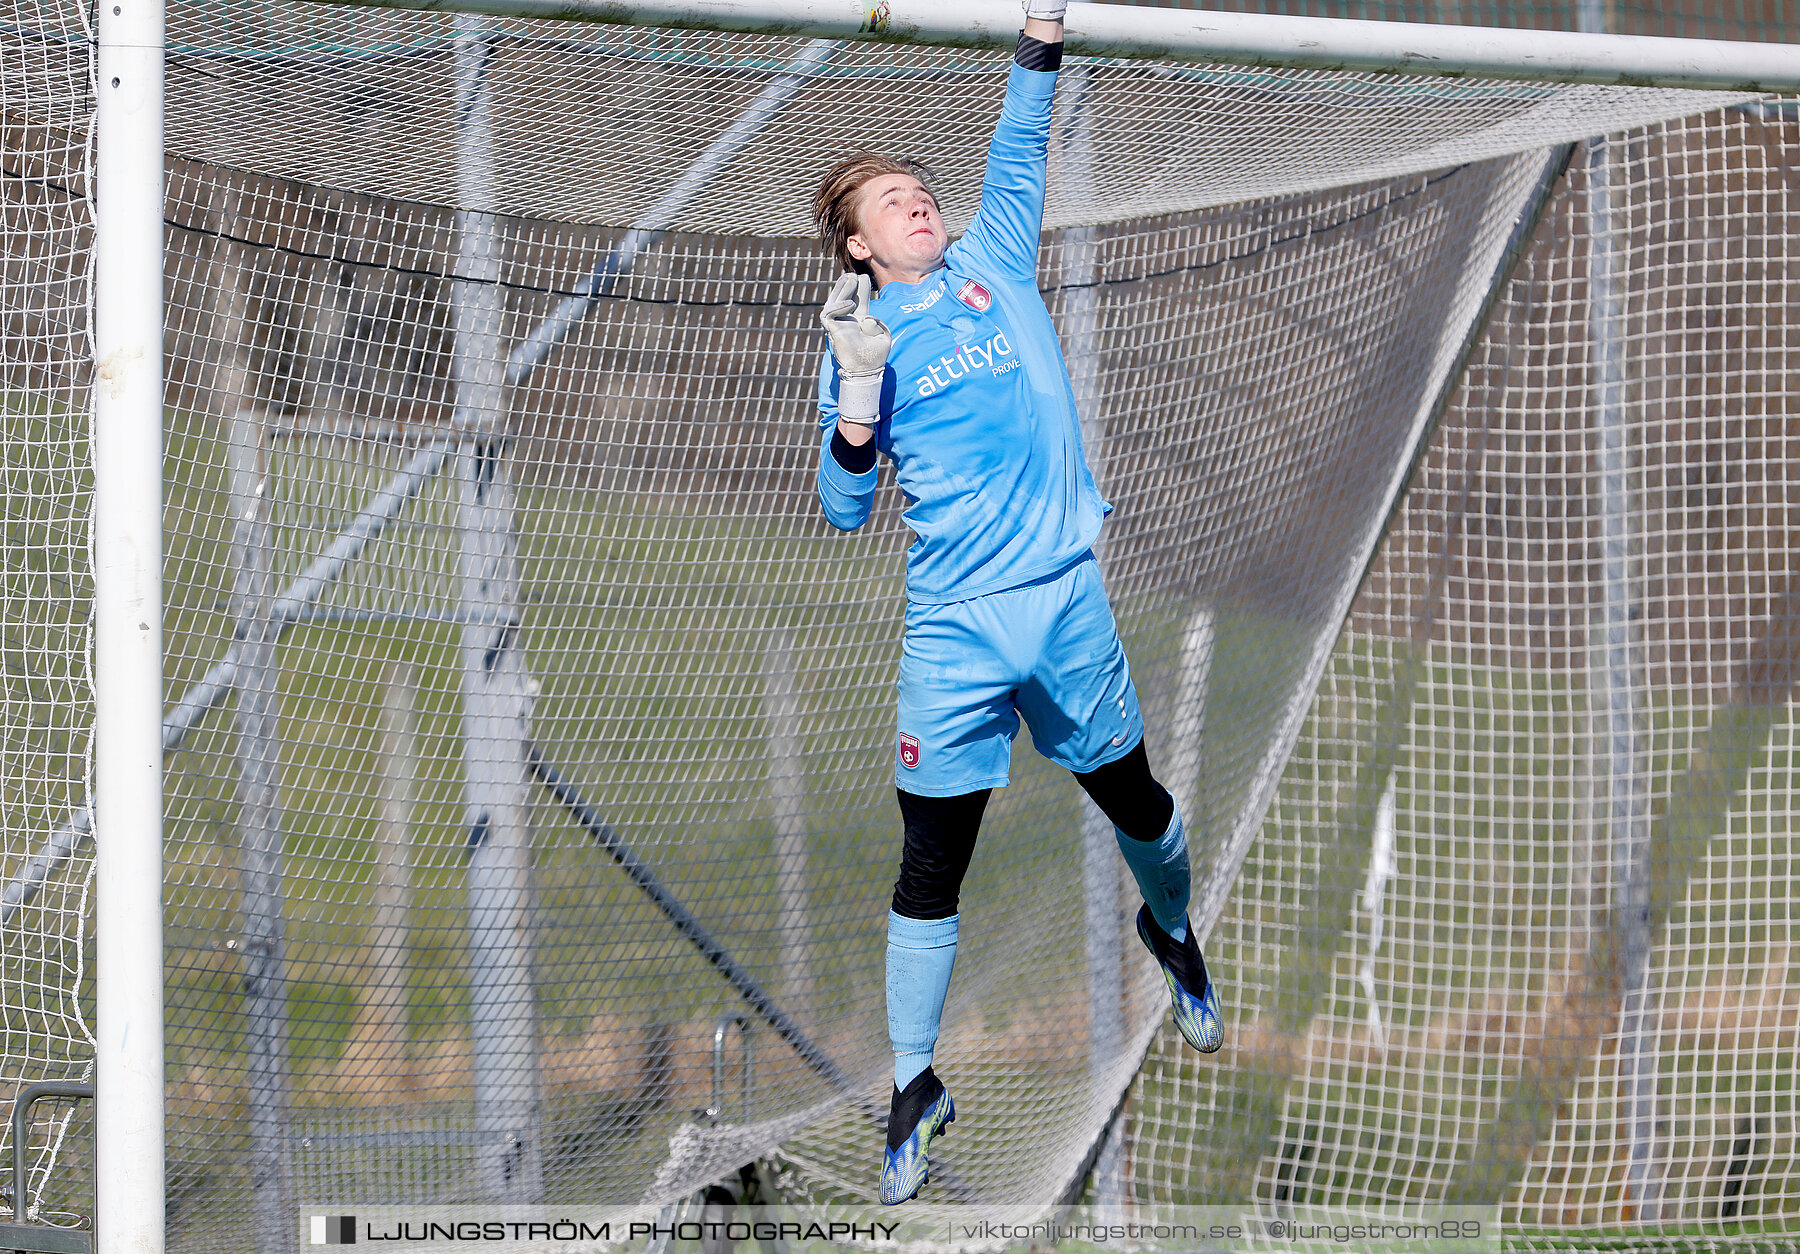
1160, 868
920, 954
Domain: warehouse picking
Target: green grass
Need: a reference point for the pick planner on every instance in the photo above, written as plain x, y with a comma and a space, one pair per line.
1488, 890
613, 715
45, 710
647, 630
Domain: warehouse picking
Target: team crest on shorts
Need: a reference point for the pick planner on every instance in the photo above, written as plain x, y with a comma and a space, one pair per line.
974, 296
909, 750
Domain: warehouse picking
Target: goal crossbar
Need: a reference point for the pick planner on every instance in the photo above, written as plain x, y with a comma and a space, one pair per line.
1246, 39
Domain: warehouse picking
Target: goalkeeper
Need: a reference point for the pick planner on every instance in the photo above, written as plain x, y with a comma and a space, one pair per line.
952, 369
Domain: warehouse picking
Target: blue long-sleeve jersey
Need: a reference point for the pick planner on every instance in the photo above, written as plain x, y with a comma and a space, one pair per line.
977, 414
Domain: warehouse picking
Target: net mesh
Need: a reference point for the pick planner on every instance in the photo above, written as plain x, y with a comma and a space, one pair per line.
528, 809
581, 131
1441, 901
45, 587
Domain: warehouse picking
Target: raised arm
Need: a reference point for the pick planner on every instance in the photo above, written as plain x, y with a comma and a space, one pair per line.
1005, 231
846, 470
850, 384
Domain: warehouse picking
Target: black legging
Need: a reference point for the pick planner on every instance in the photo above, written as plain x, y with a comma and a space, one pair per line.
941, 831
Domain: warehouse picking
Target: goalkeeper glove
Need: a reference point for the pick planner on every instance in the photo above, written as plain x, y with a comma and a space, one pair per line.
860, 342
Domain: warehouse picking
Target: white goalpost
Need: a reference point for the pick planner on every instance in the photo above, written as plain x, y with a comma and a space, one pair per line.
127, 630
1210, 37
510, 397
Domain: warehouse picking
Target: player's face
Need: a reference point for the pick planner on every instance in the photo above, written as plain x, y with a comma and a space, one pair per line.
901, 233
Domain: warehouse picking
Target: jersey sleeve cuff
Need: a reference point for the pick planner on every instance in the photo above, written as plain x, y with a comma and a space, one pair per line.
1028, 92
835, 475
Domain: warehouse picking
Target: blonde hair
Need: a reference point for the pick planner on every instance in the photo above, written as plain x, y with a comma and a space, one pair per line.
834, 204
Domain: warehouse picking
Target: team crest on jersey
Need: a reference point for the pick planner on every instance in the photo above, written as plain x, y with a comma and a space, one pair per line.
909, 750
974, 296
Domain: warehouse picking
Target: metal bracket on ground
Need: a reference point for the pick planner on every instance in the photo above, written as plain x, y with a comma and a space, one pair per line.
20, 1235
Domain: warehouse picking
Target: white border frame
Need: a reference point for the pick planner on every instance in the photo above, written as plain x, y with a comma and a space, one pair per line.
128, 407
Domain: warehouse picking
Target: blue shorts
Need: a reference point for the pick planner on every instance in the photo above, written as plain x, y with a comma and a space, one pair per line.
1048, 651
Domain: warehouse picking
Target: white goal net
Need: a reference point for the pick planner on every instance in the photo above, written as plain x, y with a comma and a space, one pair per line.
529, 808
1528, 865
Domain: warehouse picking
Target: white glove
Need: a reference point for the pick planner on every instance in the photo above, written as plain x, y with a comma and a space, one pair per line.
860, 342
1046, 10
